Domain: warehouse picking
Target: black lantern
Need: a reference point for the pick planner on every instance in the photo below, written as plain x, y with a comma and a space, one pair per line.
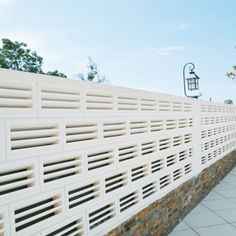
192, 80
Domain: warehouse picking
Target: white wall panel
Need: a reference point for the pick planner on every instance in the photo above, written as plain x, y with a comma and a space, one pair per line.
79, 157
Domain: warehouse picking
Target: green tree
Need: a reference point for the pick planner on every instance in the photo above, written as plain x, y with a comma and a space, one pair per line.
228, 101
93, 74
16, 56
56, 73
231, 75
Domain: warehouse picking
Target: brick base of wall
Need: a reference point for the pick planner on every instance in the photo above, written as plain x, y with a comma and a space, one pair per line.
162, 216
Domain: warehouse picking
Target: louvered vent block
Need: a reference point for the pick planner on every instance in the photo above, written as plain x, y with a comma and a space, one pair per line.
177, 174
31, 137
99, 159
157, 165
139, 172
17, 97
128, 201
148, 104
149, 189
60, 99
101, 215
171, 160
165, 181
116, 181
58, 169
188, 168
171, 124
149, 148
138, 127
81, 132
114, 129
126, 103
99, 101
157, 125
17, 179
72, 226
183, 123
128, 152
164, 105
36, 213
187, 107
177, 106
164, 144
79, 195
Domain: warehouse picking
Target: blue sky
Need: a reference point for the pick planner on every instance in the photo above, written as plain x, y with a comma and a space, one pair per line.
140, 44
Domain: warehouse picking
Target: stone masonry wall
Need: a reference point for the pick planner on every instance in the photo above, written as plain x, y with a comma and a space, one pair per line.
160, 217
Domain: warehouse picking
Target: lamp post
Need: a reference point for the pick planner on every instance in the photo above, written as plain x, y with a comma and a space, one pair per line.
192, 81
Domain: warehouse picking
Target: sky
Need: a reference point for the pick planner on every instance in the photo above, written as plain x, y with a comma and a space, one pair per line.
141, 44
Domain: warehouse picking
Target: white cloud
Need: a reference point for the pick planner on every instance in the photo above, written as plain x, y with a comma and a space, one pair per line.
167, 51
5, 3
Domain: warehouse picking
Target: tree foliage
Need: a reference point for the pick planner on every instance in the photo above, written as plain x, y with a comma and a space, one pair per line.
16, 56
231, 75
93, 74
228, 101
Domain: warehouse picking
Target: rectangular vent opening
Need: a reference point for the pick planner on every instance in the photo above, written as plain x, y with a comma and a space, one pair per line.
165, 181
15, 96
56, 98
183, 123
139, 172
73, 228
149, 189
171, 160
188, 168
157, 165
204, 159
156, 125
127, 103
177, 106
164, 144
99, 101
128, 201
128, 153
83, 194
62, 168
149, 148
138, 127
102, 215
148, 104
25, 136
177, 174
164, 105
32, 214
187, 138
100, 159
177, 140
14, 179
171, 124
183, 155
116, 181
81, 131
187, 107
114, 129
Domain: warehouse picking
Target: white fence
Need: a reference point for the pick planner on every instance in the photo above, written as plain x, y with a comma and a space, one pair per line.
82, 158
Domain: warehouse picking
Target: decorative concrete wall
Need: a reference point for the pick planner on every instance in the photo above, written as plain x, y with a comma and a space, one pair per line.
80, 157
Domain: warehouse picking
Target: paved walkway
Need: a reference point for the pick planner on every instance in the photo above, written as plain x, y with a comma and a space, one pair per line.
215, 215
